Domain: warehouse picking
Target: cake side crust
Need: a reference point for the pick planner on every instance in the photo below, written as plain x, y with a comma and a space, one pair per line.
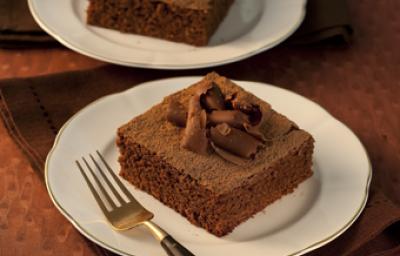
150, 173
161, 19
218, 214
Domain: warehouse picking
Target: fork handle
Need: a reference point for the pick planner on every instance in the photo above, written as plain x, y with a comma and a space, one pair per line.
173, 248
170, 245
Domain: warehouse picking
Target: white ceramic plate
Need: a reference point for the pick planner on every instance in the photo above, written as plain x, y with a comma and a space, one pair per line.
318, 211
250, 27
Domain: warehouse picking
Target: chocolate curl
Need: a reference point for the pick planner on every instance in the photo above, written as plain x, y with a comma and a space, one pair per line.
176, 114
230, 97
228, 156
234, 118
253, 111
194, 137
256, 129
234, 140
211, 97
257, 118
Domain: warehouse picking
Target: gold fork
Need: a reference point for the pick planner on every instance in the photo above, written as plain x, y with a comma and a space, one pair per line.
129, 214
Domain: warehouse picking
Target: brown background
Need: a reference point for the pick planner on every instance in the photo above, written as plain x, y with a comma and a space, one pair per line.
359, 84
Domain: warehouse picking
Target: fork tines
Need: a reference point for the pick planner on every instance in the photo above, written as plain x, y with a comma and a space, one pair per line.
107, 181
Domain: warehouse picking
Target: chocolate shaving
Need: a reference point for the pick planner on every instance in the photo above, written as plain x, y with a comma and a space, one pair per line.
211, 97
232, 124
229, 156
234, 118
253, 111
234, 140
230, 97
256, 129
176, 114
257, 118
194, 137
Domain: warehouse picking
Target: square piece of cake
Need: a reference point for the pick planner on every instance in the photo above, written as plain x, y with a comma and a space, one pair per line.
214, 153
187, 21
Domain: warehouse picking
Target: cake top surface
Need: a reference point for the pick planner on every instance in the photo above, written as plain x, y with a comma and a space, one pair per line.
188, 4
154, 132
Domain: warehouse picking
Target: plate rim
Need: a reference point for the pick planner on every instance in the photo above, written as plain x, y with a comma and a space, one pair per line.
96, 240
98, 56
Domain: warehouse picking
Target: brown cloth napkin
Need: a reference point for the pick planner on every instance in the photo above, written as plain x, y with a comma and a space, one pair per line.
326, 20
34, 109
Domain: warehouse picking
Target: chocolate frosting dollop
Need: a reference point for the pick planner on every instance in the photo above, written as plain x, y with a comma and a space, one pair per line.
232, 126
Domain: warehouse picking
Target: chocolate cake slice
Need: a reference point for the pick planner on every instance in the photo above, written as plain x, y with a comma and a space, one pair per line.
187, 21
215, 153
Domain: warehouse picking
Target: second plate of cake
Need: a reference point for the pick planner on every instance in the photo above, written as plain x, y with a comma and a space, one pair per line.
297, 223
238, 31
